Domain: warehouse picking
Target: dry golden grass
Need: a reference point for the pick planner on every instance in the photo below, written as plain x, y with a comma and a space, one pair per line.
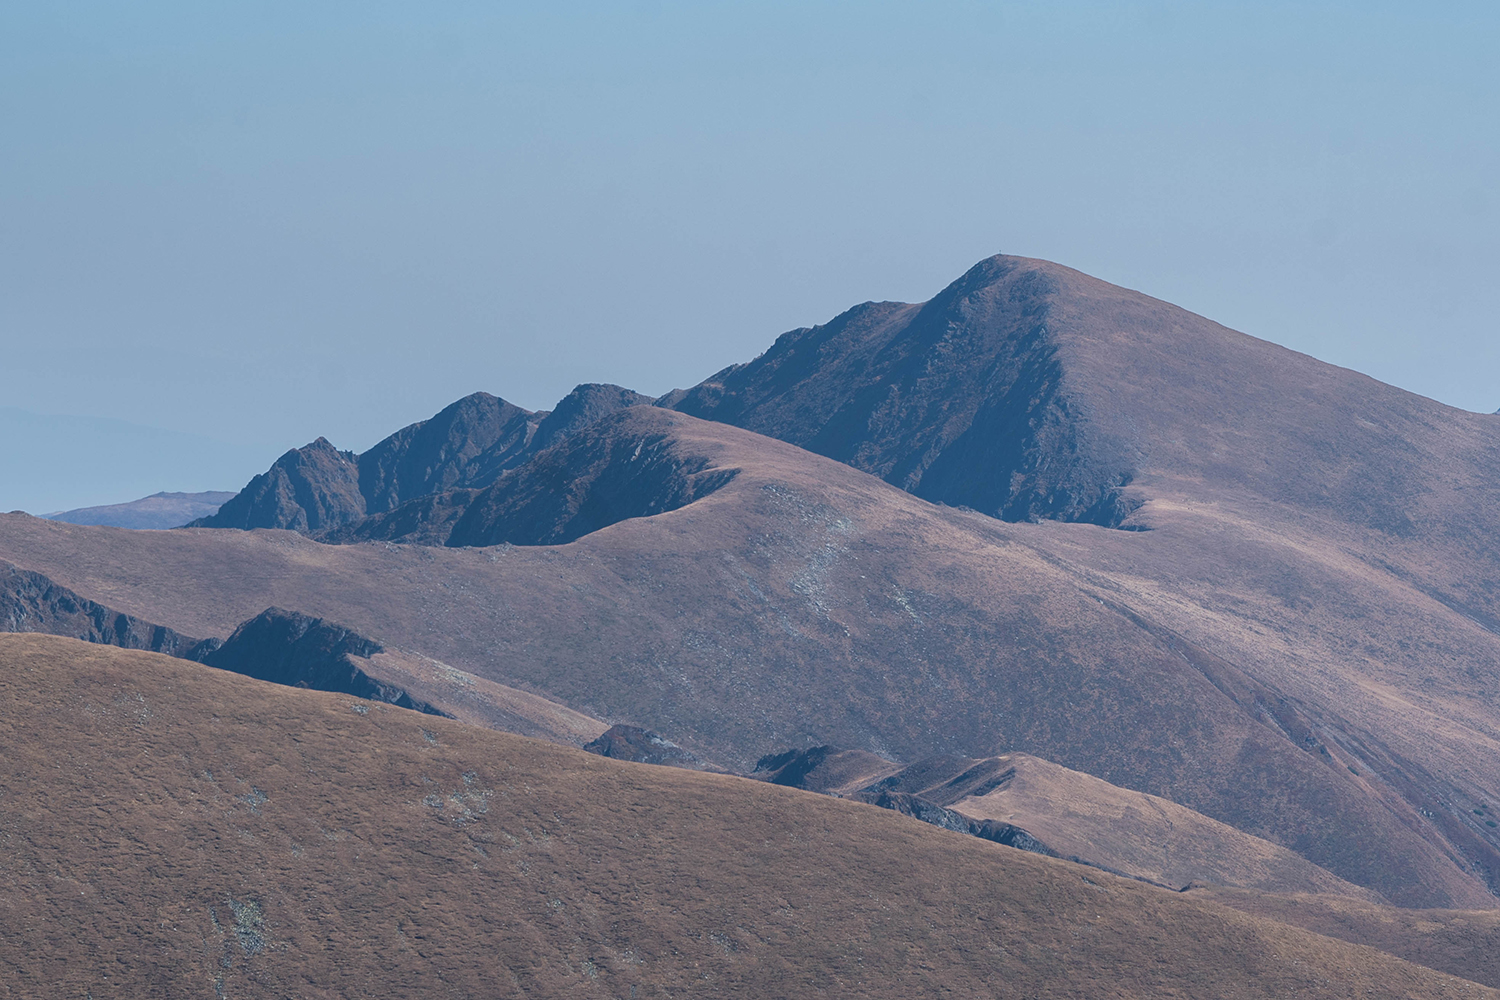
1463, 942
170, 830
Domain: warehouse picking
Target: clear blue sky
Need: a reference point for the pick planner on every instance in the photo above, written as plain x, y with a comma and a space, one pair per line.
260, 222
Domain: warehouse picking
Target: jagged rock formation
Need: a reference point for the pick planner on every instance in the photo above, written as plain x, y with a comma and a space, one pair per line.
318, 488
962, 400
278, 646
307, 489
285, 647
621, 742
624, 465
468, 443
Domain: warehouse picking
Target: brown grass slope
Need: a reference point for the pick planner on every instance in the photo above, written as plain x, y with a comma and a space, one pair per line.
1465, 943
805, 602
168, 830
1073, 815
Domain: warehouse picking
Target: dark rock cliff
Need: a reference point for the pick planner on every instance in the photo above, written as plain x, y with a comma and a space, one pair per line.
468, 445
285, 647
30, 602
961, 400
307, 489
633, 743
627, 464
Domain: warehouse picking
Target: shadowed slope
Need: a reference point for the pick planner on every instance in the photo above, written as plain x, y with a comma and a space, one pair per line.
29, 602
270, 842
307, 489
1028, 390
465, 446
621, 466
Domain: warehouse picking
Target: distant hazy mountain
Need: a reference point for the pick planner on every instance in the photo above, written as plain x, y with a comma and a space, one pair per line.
58, 462
159, 510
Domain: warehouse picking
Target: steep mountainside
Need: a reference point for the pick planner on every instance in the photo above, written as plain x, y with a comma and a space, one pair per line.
1027, 390
621, 466
267, 842
806, 602
158, 511
468, 444
1305, 645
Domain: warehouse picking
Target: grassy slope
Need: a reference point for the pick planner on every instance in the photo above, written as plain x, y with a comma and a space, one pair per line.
806, 603
166, 829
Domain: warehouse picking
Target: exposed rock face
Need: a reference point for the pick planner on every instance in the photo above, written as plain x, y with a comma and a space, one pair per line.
962, 400
156, 512
285, 647
644, 747
469, 443
278, 646
30, 602
308, 489
318, 489
625, 465
581, 407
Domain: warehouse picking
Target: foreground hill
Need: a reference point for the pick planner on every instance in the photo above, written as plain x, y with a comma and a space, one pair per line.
262, 841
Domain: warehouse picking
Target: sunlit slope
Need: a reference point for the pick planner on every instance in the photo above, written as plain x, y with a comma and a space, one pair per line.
166, 829
1271, 680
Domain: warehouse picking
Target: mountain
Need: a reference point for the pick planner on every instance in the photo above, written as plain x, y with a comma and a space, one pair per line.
1027, 390
156, 512
466, 445
618, 467
1303, 646
175, 830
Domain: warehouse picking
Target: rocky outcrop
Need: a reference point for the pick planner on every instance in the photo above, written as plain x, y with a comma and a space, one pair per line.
624, 466
644, 747
962, 400
308, 489
469, 443
285, 647
30, 602
584, 405
318, 490
628, 464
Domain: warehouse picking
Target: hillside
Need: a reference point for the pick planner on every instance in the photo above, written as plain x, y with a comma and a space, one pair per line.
1063, 813
263, 841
